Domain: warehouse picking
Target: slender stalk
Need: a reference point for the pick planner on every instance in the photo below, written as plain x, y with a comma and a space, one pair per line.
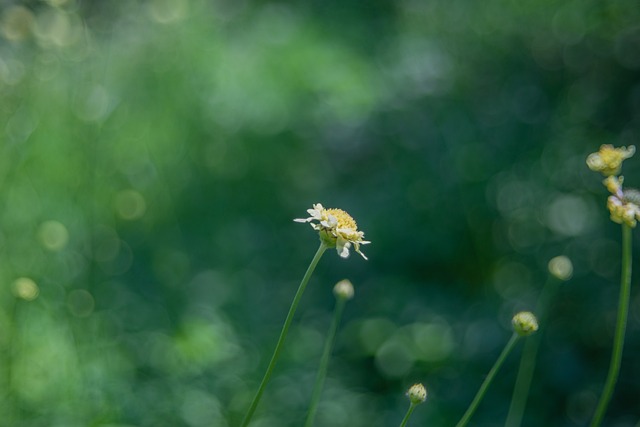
324, 362
412, 406
528, 358
523, 382
485, 385
283, 334
10, 351
621, 324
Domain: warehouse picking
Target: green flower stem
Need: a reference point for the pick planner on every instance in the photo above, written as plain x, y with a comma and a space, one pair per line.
283, 333
485, 385
621, 324
324, 361
528, 358
412, 406
11, 331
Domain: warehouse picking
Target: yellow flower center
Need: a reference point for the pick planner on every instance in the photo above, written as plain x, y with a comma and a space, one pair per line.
344, 219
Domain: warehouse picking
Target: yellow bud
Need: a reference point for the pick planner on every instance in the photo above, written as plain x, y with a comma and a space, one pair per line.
608, 160
613, 184
623, 212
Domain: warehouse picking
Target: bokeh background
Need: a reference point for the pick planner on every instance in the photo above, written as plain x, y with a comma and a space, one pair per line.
154, 153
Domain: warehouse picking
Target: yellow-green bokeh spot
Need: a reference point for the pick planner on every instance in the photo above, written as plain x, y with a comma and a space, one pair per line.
130, 205
25, 288
53, 235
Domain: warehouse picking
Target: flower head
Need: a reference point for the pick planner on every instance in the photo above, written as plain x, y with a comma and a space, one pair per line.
623, 211
608, 160
417, 394
524, 323
337, 229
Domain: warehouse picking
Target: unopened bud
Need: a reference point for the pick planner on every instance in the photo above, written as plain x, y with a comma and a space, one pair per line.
417, 394
343, 290
524, 323
608, 160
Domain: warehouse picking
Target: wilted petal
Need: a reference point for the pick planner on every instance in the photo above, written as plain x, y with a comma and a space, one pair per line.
342, 247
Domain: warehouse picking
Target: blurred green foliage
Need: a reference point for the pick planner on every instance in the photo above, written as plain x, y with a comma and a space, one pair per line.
153, 154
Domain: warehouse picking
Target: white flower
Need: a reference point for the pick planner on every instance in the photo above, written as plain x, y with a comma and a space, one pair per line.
337, 229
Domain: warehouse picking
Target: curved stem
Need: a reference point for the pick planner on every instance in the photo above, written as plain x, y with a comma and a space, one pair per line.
408, 415
324, 362
528, 358
621, 324
485, 385
283, 334
10, 351
523, 382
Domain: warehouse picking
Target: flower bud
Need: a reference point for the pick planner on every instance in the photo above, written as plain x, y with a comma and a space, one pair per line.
524, 323
417, 394
608, 160
623, 212
343, 290
614, 184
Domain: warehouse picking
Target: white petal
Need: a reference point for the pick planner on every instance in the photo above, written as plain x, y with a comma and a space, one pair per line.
347, 231
303, 219
315, 214
342, 247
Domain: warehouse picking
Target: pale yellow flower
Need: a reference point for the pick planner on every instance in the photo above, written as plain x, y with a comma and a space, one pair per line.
622, 211
337, 229
608, 160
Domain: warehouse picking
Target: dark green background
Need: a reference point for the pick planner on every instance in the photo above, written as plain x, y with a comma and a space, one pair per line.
175, 141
